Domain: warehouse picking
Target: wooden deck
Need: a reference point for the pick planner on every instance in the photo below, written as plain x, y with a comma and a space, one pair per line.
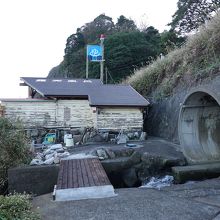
82, 179
81, 173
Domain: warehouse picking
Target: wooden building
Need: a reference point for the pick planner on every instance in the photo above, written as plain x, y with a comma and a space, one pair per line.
77, 103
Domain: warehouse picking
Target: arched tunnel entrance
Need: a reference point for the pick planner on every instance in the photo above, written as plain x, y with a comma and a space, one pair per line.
199, 126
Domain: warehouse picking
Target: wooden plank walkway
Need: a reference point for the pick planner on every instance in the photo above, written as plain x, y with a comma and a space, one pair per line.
81, 179
81, 173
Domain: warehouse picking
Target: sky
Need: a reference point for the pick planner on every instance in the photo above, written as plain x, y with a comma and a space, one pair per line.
34, 32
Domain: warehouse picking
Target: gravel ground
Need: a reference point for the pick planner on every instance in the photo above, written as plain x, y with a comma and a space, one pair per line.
196, 201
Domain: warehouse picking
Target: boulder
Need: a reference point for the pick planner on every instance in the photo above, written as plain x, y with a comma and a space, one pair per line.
130, 177
125, 152
116, 165
110, 153
102, 154
121, 163
154, 164
49, 161
48, 156
36, 162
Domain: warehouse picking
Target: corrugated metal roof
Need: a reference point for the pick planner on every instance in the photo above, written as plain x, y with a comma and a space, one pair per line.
97, 93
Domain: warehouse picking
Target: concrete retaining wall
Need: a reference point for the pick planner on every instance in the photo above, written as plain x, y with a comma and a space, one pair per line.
33, 179
198, 130
162, 120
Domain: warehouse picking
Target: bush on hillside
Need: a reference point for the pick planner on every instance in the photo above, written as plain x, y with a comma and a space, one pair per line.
198, 59
16, 206
13, 147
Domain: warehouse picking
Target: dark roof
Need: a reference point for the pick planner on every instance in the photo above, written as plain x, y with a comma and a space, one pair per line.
117, 95
97, 93
61, 87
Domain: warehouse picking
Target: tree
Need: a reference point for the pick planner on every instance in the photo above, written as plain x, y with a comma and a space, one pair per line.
75, 42
153, 38
170, 40
192, 13
100, 25
124, 24
127, 51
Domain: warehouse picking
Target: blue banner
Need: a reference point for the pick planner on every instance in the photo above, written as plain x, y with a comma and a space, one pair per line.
94, 53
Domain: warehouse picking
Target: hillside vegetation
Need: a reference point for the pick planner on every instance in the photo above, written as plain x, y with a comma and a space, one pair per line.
196, 60
127, 48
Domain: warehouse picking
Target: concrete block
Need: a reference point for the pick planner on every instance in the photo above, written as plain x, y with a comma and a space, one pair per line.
196, 172
33, 179
93, 192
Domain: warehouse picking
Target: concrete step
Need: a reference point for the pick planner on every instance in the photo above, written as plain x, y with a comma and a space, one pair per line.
196, 172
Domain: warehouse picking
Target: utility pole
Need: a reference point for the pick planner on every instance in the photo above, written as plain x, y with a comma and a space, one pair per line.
87, 64
106, 75
102, 38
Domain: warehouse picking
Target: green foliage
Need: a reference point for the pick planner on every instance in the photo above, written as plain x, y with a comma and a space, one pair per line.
74, 42
74, 64
192, 13
100, 25
125, 25
13, 147
198, 59
126, 48
170, 41
127, 51
17, 207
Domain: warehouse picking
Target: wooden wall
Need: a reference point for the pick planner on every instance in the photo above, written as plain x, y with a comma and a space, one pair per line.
75, 113
117, 118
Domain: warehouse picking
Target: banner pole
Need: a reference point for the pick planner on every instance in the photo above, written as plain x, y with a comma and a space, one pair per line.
102, 38
87, 63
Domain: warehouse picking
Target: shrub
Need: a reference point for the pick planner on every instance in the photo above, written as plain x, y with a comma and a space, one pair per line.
13, 147
17, 207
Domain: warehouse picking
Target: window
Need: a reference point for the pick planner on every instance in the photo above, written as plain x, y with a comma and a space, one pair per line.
67, 114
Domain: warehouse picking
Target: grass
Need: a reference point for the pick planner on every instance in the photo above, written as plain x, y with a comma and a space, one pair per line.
189, 65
